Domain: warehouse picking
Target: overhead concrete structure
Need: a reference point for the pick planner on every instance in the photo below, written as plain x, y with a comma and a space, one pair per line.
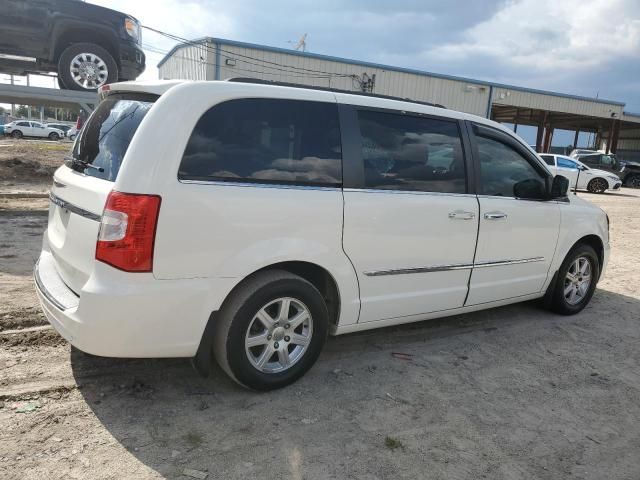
47, 97
219, 59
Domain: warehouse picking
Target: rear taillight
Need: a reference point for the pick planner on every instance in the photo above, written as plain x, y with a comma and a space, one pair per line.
128, 231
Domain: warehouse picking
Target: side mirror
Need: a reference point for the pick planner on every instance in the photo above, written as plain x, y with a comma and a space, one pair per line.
559, 187
531, 188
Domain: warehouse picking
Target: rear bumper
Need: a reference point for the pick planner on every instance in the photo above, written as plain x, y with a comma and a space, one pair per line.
128, 315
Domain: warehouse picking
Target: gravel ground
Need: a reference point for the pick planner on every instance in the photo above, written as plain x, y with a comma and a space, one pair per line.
509, 393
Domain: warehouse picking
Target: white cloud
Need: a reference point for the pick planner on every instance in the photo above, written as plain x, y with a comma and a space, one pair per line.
186, 19
551, 34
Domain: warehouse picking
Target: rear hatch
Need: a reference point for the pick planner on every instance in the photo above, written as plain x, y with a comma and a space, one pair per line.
81, 186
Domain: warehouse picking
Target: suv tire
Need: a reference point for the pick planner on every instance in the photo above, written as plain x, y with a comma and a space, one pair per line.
633, 181
570, 293
16, 134
93, 65
242, 323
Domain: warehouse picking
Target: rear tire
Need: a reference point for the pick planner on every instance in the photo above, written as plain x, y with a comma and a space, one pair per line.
597, 185
633, 181
16, 134
54, 136
301, 330
92, 64
570, 294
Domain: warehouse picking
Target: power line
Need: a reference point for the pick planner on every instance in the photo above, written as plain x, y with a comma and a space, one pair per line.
286, 68
201, 61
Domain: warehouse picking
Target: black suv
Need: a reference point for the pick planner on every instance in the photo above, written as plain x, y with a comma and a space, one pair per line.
629, 172
87, 45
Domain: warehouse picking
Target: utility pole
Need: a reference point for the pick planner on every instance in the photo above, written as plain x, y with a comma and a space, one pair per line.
13, 105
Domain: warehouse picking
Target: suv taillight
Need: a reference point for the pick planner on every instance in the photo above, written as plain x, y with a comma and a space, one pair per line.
128, 231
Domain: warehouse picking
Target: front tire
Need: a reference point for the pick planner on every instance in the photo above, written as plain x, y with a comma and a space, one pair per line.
597, 185
17, 134
54, 136
86, 66
576, 281
271, 330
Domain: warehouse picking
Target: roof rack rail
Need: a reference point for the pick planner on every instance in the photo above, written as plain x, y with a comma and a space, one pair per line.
328, 89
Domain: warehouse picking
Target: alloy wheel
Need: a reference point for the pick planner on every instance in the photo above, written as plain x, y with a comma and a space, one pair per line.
279, 335
577, 281
89, 71
598, 185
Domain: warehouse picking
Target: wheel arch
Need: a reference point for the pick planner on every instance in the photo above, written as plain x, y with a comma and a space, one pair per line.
70, 34
595, 242
315, 274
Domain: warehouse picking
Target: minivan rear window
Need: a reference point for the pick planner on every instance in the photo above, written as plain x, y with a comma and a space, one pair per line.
106, 136
262, 140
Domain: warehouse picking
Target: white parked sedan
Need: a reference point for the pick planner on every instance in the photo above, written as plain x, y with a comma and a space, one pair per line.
26, 128
590, 179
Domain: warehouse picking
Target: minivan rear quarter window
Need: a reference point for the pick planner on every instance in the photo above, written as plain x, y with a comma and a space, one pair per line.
266, 141
106, 136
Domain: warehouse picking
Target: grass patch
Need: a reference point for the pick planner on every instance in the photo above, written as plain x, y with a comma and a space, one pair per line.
194, 439
392, 443
54, 147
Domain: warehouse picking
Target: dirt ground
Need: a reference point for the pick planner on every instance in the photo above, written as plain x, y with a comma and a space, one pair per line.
509, 393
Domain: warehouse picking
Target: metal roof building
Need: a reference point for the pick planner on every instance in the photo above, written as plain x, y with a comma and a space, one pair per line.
219, 59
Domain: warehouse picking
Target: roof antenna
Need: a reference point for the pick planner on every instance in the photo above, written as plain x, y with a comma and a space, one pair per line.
302, 43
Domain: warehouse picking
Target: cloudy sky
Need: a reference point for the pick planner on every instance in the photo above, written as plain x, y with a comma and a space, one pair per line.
584, 47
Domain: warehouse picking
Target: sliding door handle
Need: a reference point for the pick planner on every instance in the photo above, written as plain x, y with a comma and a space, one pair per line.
495, 216
462, 215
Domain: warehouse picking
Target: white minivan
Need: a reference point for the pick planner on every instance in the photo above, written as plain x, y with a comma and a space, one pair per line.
270, 216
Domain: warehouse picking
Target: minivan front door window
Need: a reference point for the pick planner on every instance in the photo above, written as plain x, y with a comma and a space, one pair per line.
503, 169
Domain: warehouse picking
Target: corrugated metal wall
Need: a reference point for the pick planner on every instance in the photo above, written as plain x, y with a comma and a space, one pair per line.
192, 62
227, 60
555, 103
457, 95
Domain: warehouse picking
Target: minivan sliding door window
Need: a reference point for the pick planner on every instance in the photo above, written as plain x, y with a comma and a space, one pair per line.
266, 141
415, 153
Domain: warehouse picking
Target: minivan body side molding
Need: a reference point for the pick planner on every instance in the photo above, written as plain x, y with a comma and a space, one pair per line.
450, 267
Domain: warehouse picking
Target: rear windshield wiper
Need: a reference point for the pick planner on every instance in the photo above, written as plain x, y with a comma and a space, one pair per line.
76, 162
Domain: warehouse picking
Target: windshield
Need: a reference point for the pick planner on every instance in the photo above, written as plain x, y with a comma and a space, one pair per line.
104, 140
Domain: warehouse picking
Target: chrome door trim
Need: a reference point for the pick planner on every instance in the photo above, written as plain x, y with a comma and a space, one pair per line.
436, 268
500, 263
282, 186
406, 192
73, 208
451, 267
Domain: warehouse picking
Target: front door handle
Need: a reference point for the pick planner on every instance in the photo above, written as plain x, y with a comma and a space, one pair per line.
462, 215
495, 216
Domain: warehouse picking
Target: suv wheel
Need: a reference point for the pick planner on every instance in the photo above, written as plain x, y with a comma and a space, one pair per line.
54, 136
576, 281
271, 330
16, 134
633, 181
86, 66
597, 185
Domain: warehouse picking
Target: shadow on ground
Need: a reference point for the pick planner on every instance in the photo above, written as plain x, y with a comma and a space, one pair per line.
513, 392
